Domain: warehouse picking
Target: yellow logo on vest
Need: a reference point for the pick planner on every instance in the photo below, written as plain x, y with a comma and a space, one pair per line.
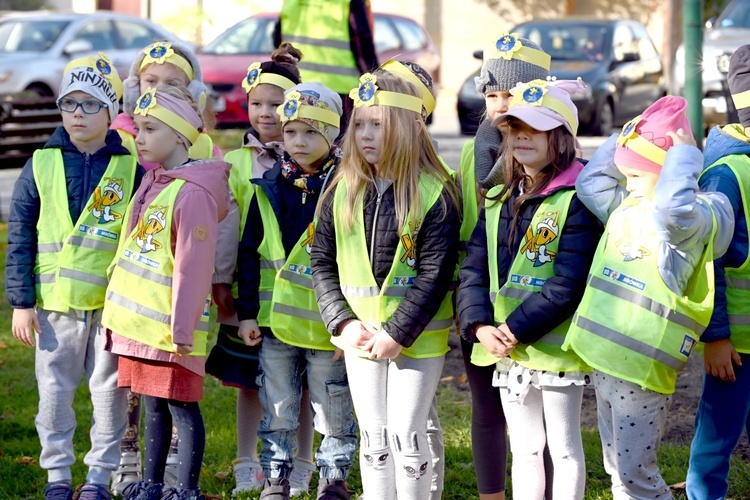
547, 231
409, 241
155, 222
107, 198
307, 243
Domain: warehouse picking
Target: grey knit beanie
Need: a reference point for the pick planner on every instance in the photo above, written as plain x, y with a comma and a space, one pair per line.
499, 73
739, 82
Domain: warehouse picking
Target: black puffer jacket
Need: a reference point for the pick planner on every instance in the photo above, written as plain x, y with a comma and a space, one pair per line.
560, 295
437, 253
82, 174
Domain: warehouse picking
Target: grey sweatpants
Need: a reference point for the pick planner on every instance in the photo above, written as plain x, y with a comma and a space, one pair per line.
392, 399
69, 346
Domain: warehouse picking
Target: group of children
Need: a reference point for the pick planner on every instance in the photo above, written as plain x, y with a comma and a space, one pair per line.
332, 261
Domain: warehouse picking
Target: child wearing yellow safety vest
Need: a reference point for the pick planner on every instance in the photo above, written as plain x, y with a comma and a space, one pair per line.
384, 258
724, 408
650, 290
276, 303
64, 226
524, 274
158, 295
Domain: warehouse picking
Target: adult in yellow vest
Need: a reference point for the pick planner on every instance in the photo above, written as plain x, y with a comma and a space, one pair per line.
650, 290
158, 296
724, 408
64, 227
523, 276
337, 40
383, 262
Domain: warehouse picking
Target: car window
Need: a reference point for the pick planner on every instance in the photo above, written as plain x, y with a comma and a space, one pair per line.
34, 36
251, 36
566, 42
135, 35
623, 42
411, 34
645, 45
737, 15
99, 34
386, 37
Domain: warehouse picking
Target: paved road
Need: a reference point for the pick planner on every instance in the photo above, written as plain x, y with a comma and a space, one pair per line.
444, 130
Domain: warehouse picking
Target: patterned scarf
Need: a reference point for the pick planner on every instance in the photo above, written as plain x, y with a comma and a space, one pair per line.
309, 183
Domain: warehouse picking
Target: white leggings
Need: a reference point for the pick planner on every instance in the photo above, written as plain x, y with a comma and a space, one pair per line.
392, 399
558, 409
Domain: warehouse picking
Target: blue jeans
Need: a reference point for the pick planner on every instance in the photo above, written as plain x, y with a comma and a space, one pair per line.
282, 366
722, 414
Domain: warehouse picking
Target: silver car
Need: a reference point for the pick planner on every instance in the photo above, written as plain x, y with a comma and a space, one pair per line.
36, 47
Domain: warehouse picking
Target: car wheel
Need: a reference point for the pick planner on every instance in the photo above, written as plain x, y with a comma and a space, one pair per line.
40, 89
605, 119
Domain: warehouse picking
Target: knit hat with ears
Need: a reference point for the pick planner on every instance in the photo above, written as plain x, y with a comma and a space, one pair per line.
160, 53
643, 142
739, 82
510, 61
314, 104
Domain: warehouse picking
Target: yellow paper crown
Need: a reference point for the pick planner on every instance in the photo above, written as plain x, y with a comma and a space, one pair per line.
294, 109
630, 138
395, 67
509, 46
255, 76
102, 65
161, 52
368, 94
147, 105
534, 93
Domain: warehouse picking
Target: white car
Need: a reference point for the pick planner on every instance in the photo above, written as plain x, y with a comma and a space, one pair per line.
36, 47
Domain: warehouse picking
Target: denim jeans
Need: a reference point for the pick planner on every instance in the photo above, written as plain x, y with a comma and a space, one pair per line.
282, 366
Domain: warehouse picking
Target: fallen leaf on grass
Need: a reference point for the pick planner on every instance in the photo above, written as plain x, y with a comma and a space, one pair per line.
221, 475
462, 379
27, 461
447, 379
6, 415
3, 345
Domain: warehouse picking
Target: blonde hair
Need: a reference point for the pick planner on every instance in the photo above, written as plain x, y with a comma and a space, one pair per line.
407, 154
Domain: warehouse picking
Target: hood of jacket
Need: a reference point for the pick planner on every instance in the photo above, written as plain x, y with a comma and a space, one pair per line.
566, 179
210, 174
723, 141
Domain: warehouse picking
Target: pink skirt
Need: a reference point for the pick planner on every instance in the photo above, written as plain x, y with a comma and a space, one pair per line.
160, 379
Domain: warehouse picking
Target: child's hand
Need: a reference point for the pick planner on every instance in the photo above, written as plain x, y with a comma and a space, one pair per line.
492, 339
718, 357
222, 295
507, 336
356, 333
337, 354
681, 137
25, 323
182, 349
382, 346
249, 332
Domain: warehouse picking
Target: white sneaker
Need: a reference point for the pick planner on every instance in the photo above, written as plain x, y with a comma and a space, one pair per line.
248, 475
299, 479
171, 471
129, 471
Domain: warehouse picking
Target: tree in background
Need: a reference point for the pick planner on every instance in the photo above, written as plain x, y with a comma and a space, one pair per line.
23, 4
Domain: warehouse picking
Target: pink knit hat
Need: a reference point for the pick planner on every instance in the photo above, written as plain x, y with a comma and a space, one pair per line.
643, 142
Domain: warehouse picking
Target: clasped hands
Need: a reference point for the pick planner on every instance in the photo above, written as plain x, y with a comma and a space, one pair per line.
370, 339
498, 341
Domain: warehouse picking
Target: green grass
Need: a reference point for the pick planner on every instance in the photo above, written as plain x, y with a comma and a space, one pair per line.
18, 438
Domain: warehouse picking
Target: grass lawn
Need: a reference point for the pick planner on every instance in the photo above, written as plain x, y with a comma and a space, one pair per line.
23, 478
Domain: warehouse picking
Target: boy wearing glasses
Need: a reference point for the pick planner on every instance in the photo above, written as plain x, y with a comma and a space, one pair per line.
63, 230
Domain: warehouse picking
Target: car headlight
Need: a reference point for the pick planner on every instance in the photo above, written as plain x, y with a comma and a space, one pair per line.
710, 64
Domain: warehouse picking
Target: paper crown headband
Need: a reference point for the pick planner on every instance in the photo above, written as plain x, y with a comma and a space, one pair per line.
395, 67
368, 94
147, 105
645, 148
509, 46
534, 93
255, 76
294, 109
102, 65
161, 52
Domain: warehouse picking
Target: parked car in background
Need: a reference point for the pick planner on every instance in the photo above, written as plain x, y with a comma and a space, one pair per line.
36, 47
616, 58
224, 61
720, 39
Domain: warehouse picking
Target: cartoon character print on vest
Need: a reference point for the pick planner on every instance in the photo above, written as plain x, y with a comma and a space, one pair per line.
410, 244
155, 223
413, 473
630, 247
308, 242
547, 231
106, 199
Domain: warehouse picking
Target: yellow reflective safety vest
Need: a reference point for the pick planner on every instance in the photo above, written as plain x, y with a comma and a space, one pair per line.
532, 266
738, 278
139, 298
469, 197
372, 304
71, 262
320, 30
201, 150
242, 188
272, 257
629, 324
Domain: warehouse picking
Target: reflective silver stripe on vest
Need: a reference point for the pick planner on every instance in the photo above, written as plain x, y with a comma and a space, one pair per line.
272, 264
361, 292
493, 296
320, 42
439, 324
629, 342
637, 299
49, 247
516, 293
95, 244
395, 291
83, 276
738, 283
202, 326
45, 278
553, 338
297, 312
265, 295
325, 68
128, 266
739, 319
295, 278
139, 309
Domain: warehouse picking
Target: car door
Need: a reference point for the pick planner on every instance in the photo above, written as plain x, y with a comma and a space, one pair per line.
627, 73
132, 37
651, 65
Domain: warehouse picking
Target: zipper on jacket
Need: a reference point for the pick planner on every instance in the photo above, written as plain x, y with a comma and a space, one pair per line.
374, 227
304, 197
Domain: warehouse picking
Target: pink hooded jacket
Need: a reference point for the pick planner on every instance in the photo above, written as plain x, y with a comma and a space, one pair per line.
200, 205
